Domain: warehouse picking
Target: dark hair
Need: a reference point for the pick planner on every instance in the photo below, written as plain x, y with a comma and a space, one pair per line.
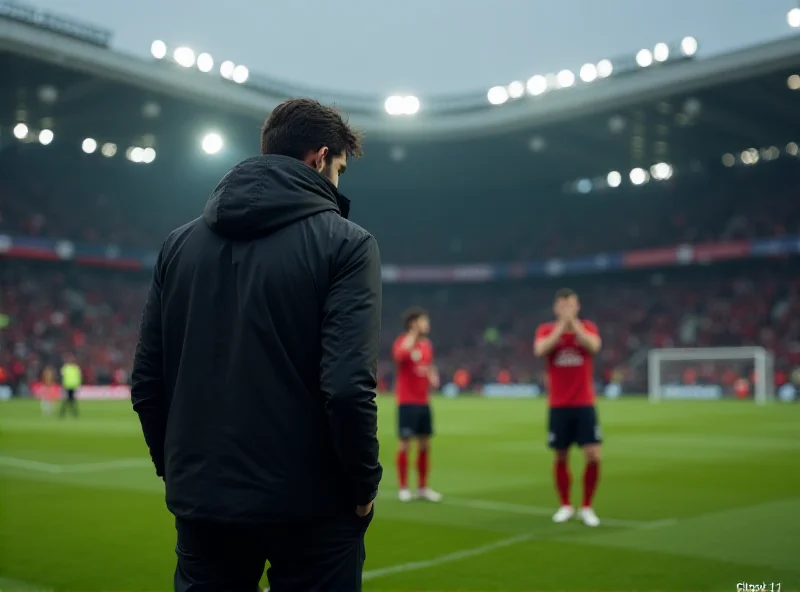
299, 126
412, 314
565, 293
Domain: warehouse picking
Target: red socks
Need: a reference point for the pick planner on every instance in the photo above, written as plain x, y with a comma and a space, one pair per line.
562, 481
422, 468
591, 475
402, 469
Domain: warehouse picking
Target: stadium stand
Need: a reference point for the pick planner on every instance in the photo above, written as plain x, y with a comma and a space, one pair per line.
535, 200
486, 330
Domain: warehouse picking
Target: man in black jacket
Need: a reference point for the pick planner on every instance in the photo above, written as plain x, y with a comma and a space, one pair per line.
255, 372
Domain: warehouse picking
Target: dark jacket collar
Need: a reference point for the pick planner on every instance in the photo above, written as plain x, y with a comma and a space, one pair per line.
266, 193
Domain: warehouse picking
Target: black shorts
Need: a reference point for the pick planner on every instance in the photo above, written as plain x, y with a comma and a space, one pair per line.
414, 420
70, 394
573, 425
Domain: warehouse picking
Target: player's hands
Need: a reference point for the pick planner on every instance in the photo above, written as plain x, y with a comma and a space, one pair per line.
363, 511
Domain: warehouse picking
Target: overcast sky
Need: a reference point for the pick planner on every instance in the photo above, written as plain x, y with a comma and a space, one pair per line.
426, 46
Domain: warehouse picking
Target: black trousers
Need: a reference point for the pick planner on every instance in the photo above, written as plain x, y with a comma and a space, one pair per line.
69, 401
323, 556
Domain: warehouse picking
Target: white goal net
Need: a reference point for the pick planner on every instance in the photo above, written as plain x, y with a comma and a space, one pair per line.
711, 373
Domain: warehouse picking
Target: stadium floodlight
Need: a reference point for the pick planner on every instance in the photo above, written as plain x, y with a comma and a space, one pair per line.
728, 160
661, 171
406, 105
158, 49
226, 69
135, 154
666, 367
516, 89
605, 68
793, 82
394, 105
614, 179
750, 156
537, 144
639, 176
537, 85
205, 63
45, 137
20, 131
644, 58
584, 186
689, 46
565, 78
497, 95
212, 143
661, 52
89, 145
770, 153
793, 18
412, 105
108, 150
184, 56
588, 73
148, 155
791, 149
240, 74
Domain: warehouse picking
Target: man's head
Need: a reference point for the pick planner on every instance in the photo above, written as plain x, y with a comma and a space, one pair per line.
309, 131
566, 305
417, 320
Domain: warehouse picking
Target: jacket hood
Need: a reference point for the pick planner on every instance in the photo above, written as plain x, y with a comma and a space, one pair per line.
266, 193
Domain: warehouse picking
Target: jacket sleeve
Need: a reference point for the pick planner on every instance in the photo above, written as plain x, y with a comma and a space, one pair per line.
351, 325
147, 378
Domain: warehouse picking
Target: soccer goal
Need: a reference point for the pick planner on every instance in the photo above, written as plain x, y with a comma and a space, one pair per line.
711, 373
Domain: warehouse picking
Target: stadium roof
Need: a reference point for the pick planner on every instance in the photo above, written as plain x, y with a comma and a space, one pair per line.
687, 114
443, 117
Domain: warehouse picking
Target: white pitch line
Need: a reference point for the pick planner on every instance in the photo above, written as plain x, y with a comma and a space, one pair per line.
449, 558
125, 463
537, 511
97, 467
91, 467
30, 465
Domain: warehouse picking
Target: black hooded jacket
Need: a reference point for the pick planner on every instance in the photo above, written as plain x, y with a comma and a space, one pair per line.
255, 372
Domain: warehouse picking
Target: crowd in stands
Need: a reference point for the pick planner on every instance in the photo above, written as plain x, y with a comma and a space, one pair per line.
140, 211
485, 330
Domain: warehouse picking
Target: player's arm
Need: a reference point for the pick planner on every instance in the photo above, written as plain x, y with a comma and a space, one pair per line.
587, 335
545, 342
351, 325
147, 377
433, 377
402, 348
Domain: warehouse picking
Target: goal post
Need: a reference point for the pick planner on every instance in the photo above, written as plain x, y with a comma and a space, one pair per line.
710, 373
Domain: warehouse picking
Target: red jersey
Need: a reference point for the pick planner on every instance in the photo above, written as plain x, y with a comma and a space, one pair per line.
413, 366
570, 368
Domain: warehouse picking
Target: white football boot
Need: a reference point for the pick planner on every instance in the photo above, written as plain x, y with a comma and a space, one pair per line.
564, 514
429, 495
588, 517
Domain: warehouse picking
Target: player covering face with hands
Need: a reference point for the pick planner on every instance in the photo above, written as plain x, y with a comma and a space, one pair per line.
416, 375
568, 345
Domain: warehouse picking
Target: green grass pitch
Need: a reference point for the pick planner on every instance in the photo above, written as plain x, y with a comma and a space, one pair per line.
694, 495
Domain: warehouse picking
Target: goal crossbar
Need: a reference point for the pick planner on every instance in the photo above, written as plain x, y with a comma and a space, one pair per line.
762, 361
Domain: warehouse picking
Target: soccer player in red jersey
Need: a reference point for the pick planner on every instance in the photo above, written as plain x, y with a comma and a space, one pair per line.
568, 344
416, 374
